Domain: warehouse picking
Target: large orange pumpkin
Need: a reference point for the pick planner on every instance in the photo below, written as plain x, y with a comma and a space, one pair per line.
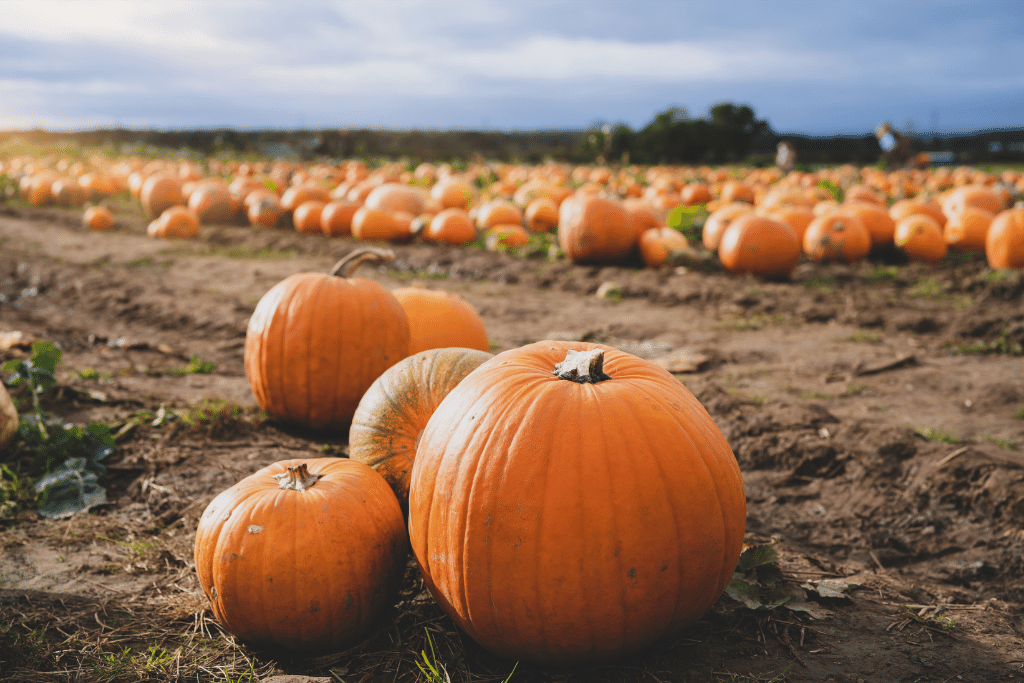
451, 226
593, 229
1004, 243
966, 228
440, 319
175, 222
392, 197
719, 220
160, 192
213, 203
306, 217
316, 342
759, 245
395, 409
921, 238
303, 554
98, 218
572, 503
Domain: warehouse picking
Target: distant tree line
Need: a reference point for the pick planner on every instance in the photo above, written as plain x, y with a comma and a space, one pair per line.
730, 133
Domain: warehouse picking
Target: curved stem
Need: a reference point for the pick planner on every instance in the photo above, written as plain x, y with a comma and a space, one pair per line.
297, 478
346, 266
582, 367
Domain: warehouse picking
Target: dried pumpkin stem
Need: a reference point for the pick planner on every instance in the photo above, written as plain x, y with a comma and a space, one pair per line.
297, 478
582, 367
346, 266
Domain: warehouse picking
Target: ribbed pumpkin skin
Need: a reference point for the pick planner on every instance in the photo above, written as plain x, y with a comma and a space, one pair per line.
567, 523
759, 245
440, 319
397, 406
316, 343
593, 229
306, 570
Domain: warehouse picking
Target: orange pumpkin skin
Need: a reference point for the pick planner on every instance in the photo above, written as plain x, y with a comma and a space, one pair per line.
310, 570
875, 218
836, 236
564, 523
1004, 243
175, 222
98, 218
297, 194
966, 229
306, 217
160, 192
375, 225
719, 220
212, 203
453, 193
593, 229
506, 236
795, 216
542, 215
395, 409
316, 342
759, 245
440, 319
392, 197
498, 212
657, 246
336, 218
451, 226
263, 210
920, 237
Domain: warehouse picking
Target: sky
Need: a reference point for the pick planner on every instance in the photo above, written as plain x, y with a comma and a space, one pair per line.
818, 68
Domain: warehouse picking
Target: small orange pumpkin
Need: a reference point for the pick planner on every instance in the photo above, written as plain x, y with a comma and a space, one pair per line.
719, 220
451, 226
160, 192
759, 245
175, 222
661, 246
837, 236
440, 319
966, 229
506, 236
212, 202
920, 237
98, 218
306, 217
542, 215
593, 229
336, 217
304, 554
875, 218
394, 410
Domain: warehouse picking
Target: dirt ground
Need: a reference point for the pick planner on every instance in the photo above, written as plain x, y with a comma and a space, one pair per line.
876, 411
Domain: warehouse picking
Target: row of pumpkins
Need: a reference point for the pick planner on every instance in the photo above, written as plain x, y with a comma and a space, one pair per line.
565, 502
611, 217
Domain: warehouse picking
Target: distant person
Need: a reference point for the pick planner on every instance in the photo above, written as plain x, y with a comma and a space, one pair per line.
785, 156
895, 146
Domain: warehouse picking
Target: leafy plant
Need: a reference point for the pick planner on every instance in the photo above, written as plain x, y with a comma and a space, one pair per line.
67, 456
196, 366
688, 220
833, 189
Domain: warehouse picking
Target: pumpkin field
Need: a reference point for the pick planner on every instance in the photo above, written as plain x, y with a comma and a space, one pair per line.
850, 508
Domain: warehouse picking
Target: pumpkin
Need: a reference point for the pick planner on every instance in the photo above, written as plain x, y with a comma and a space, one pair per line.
453, 193
374, 225
920, 237
642, 216
317, 341
694, 194
212, 202
506, 236
306, 217
542, 215
662, 246
875, 218
160, 192
736, 191
263, 209
98, 218
978, 196
836, 235
593, 229
1004, 243
392, 197
9, 419
440, 319
304, 554
965, 229
395, 409
571, 503
759, 245
336, 217
175, 222
68, 192
719, 220
451, 226
906, 207
498, 212
796, 216
863, 193
297, 194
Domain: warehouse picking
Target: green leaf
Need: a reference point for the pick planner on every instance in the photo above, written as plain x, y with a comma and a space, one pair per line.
46, 356
753, 556
742, 591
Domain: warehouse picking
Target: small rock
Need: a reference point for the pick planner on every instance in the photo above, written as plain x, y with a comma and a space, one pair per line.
609, 290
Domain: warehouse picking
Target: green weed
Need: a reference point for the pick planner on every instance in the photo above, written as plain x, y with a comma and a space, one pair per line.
863, 336
196, 366
884, 274
940, 436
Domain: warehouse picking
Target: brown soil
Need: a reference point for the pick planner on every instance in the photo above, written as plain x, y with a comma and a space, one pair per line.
875, 411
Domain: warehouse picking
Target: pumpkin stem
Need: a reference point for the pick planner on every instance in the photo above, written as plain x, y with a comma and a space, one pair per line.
582, 367
346, 266
297, 478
